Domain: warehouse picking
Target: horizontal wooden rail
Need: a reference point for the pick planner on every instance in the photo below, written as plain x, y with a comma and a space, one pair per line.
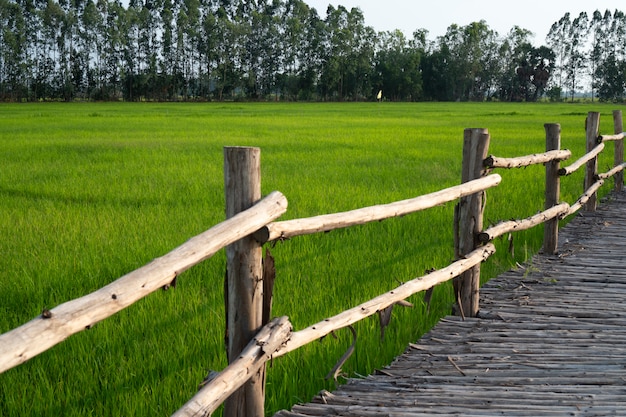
524, 161
607, 138
519, 225
579, 163
615, 170
54, 326
259, 351
585, 197
327, 222
369, 308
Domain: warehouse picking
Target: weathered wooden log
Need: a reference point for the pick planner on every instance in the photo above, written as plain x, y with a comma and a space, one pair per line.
553, 188
609, 138
616, 170
324, 223
593, 127
244, 278
259, 351
618, 154
470, 220
351, 316
555, 212
582, 161
591, 191
524, 161
38, 335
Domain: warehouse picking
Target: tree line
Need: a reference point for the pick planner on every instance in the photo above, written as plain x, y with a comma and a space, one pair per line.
284, 50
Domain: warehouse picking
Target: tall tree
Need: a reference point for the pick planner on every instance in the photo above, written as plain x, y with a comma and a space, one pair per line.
576, 57
599, 48
609, 57
480, 51
543, 60
148, 46
556, 40
513, 55
13, 73
347, 66
120, 51
189, 32
311, 57
92, 23
293, 45
228, 50
437, 84
257, 49
526, 69
468, 57
169, 61
397, 66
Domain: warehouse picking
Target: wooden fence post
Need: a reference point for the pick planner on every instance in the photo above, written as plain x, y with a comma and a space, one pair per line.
244, 278
553, 188
592, 126
469, 216
618, 127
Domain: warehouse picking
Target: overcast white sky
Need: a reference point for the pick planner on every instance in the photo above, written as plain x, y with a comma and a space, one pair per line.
436, 15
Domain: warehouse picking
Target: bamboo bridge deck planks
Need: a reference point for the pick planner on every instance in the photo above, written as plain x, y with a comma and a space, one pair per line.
551, 341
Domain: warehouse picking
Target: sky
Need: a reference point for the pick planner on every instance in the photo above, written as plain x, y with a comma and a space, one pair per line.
436, 15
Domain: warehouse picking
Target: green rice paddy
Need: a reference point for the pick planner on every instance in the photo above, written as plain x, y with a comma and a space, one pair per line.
89, 192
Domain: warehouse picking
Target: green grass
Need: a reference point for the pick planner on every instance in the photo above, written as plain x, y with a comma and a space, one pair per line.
89, 192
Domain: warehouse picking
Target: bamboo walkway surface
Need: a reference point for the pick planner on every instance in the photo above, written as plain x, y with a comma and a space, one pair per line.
550, 341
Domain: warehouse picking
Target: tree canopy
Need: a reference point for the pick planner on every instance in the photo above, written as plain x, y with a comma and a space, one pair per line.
284, 50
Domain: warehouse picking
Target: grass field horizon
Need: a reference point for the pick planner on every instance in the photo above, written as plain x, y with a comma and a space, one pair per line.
92, 191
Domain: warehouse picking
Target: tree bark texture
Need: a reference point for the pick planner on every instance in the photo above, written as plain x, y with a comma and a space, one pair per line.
244, 278
592, 129
553, 189
618, 128
470, 217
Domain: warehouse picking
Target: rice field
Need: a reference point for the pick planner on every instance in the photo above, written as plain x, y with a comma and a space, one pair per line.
89, 192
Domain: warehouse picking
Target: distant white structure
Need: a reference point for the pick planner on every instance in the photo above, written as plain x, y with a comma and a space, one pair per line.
379, 96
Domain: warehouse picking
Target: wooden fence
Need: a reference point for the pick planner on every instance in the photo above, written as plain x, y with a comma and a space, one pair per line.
253, 338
